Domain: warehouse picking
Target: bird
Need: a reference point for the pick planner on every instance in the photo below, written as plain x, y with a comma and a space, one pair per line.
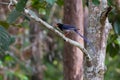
71, 28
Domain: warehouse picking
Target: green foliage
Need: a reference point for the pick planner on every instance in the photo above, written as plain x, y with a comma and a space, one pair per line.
19, 75
13, 16
5, 24
43, 6
110, 2
113, 45
113, 67
42, 11
5, 39
60, 2
8, 60
112, 57
17, 11
39, 4
21, 71
51, 69
96, 2
50, 1
114, 17
116, 24
113, 48
21, 5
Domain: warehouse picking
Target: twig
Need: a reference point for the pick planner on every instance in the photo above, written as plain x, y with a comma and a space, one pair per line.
10, 3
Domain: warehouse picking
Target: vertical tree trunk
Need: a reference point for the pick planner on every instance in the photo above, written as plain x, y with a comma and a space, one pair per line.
73, 57
36, 50
97, 33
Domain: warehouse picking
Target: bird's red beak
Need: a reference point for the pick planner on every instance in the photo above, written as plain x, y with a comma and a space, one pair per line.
56, 25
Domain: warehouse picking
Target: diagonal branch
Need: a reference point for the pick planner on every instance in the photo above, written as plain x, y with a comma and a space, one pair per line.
72, 42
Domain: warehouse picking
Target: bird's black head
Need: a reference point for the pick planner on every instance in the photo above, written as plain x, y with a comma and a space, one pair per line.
59, 25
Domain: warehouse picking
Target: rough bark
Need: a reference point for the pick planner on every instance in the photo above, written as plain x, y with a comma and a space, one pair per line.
73, 57
97, 33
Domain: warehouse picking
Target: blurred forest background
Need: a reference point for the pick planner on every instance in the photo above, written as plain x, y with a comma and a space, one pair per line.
28, 51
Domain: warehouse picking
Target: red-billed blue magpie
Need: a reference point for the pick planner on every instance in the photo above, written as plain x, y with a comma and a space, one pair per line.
69, 28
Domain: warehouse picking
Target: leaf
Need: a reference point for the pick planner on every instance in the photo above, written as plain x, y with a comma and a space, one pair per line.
21, 5
38, 4
4, 23
111, 38
112, 15
42, 11
50, 1
17, 11
60, 2
117, 27
109, 2
5, 39
13, 16
112, 45
114, 18
117, 41
96, 2
113, 49
8, 58
21, 75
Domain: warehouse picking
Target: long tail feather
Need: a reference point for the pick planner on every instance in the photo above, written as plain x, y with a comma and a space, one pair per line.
86, 40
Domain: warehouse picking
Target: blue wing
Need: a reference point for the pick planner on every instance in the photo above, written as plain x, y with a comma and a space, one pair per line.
86, 40
68, 27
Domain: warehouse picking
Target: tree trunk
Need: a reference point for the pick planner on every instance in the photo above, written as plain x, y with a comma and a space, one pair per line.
73, 57
97, 33
36, 52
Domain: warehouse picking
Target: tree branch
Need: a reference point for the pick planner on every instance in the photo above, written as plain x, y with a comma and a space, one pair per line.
72, 42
